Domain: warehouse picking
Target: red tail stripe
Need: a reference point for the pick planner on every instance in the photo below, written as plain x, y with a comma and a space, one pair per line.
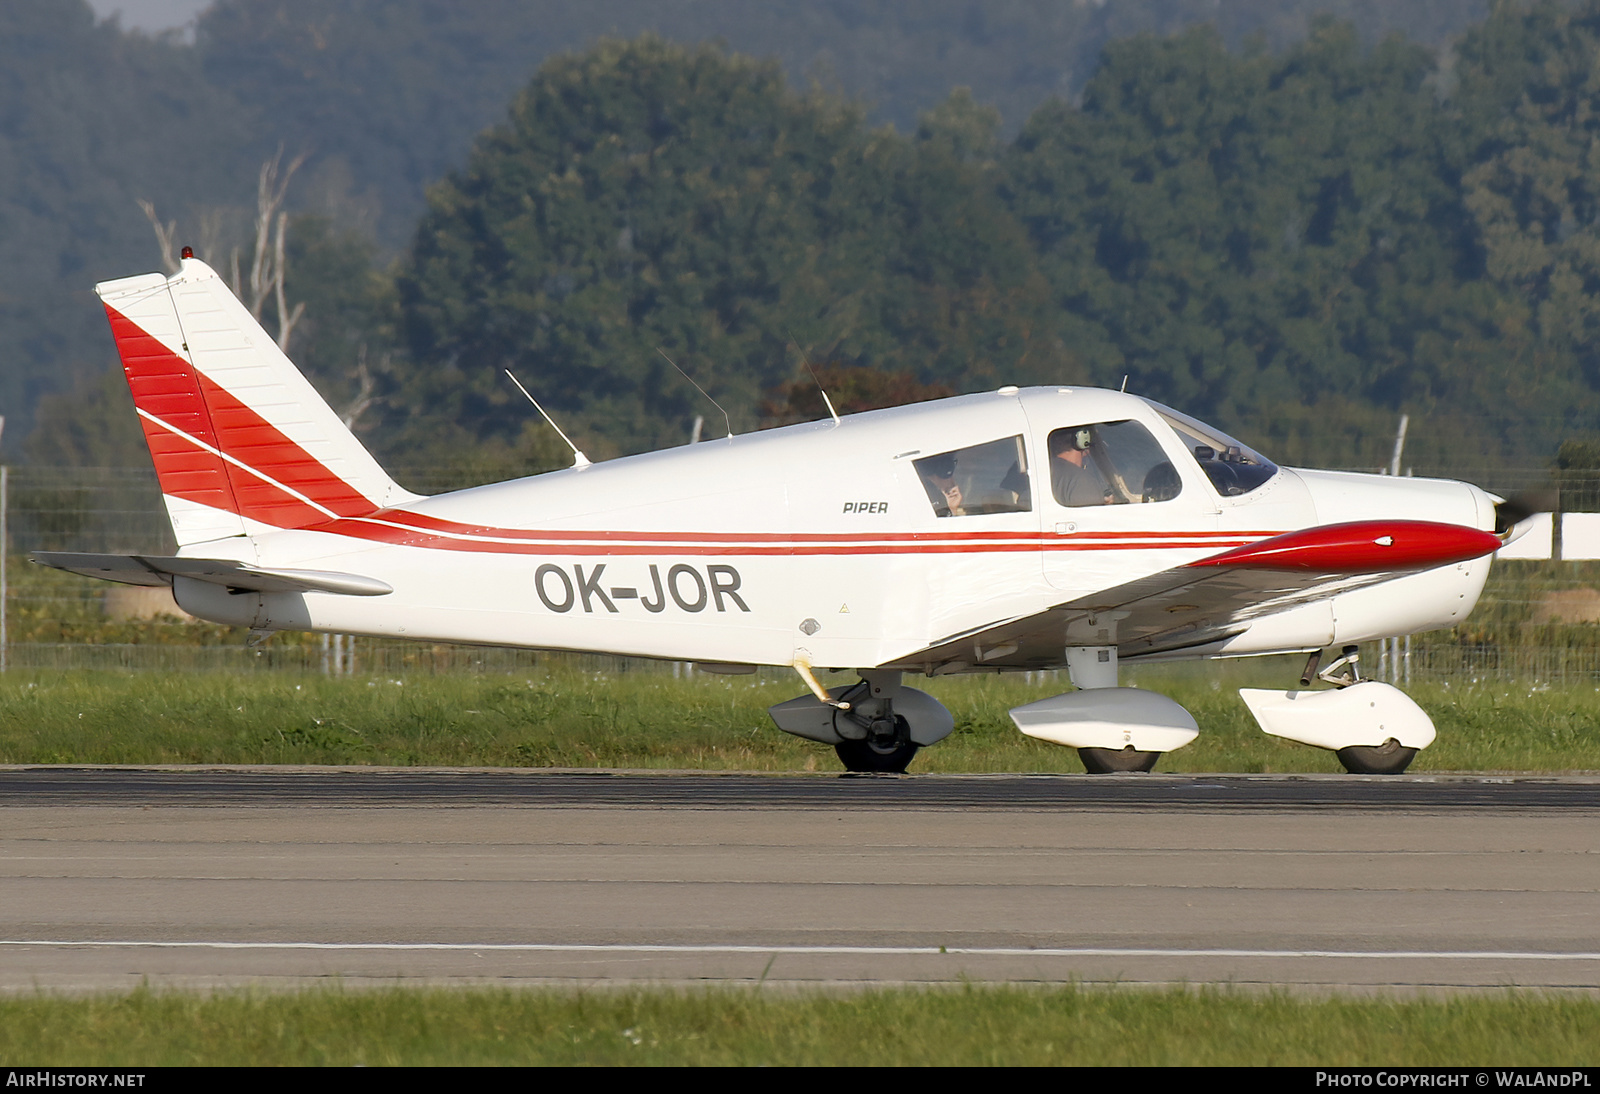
250, 439
168, 388
164, 386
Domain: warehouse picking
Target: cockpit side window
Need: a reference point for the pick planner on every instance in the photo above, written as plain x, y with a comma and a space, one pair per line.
983, 478
1233, 468
1110, 463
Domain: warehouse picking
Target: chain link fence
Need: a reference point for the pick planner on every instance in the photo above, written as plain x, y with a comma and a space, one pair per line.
54, 621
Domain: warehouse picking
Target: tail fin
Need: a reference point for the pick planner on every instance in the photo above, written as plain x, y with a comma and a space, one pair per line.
239, 438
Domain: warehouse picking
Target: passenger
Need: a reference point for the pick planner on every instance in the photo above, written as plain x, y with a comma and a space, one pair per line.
1073, 476
939, 479
1161, 483
1015, 484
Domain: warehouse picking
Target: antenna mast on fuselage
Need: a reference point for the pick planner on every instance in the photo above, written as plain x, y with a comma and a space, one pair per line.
578, 458
806, 361
701, 390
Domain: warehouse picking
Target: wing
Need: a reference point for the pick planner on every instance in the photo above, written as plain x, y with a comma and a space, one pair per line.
161, 569
1212, 599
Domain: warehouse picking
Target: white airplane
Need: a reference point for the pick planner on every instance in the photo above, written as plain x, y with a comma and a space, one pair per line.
1012, 530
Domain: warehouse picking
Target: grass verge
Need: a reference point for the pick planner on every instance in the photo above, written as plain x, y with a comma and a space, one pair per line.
936, 1026
562, 717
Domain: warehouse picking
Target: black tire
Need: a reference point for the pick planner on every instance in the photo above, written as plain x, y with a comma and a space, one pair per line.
862, 757
1111, 761
1389, 758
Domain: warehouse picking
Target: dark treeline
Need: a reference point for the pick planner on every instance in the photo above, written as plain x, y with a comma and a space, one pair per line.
1299, 237
387, 95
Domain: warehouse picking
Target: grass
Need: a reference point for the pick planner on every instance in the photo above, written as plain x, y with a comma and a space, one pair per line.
939, 1026
555, 715
563, 717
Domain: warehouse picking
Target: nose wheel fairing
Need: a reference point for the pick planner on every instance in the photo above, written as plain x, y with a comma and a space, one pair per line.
1364, 715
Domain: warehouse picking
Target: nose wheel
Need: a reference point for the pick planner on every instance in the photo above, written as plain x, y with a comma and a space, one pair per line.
1389, 758
1111, 761
1354, 710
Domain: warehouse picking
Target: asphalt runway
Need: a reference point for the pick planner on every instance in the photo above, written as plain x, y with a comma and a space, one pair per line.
280, 877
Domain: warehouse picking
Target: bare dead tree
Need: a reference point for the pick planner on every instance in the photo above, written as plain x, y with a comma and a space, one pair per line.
286, 318
364, 393
267, 264
164, 235
213, 232
267, 261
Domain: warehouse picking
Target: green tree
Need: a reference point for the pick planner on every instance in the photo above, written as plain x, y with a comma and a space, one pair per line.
1530, 78
92, 425
645, 199
851, 389
1577, 476
344, 341
1239, 234
91, 120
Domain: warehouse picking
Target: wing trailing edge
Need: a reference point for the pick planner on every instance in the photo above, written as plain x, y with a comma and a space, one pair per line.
161, 569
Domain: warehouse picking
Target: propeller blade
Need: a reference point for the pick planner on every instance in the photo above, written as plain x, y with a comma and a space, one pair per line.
1520, 506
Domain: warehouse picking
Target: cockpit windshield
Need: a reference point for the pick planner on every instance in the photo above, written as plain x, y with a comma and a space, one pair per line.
1233, 468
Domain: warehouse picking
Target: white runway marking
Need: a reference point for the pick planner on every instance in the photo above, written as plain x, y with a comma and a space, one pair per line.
885, 951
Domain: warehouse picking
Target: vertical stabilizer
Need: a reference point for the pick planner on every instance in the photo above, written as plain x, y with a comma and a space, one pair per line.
241, 441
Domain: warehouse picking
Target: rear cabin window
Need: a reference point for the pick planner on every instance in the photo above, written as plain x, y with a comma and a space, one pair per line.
1110, 463
984, 478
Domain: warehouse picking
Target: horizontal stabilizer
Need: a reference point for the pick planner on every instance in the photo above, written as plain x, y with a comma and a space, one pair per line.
160, 570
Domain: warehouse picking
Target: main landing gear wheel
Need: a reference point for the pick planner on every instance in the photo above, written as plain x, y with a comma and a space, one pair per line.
886, 749
1110, 761
1389, 758
864, 756
879, 755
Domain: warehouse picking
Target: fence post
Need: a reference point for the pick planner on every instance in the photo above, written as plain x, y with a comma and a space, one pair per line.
1556, 544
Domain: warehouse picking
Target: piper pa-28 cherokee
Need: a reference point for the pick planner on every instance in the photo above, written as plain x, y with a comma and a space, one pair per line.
1013, 530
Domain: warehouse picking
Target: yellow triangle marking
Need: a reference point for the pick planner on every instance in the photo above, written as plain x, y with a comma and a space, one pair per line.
844, 609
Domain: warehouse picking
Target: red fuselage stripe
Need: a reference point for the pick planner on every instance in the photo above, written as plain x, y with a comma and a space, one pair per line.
436, 524
623, 543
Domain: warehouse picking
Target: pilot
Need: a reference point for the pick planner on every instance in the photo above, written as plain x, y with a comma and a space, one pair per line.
939, 478
1072, 476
